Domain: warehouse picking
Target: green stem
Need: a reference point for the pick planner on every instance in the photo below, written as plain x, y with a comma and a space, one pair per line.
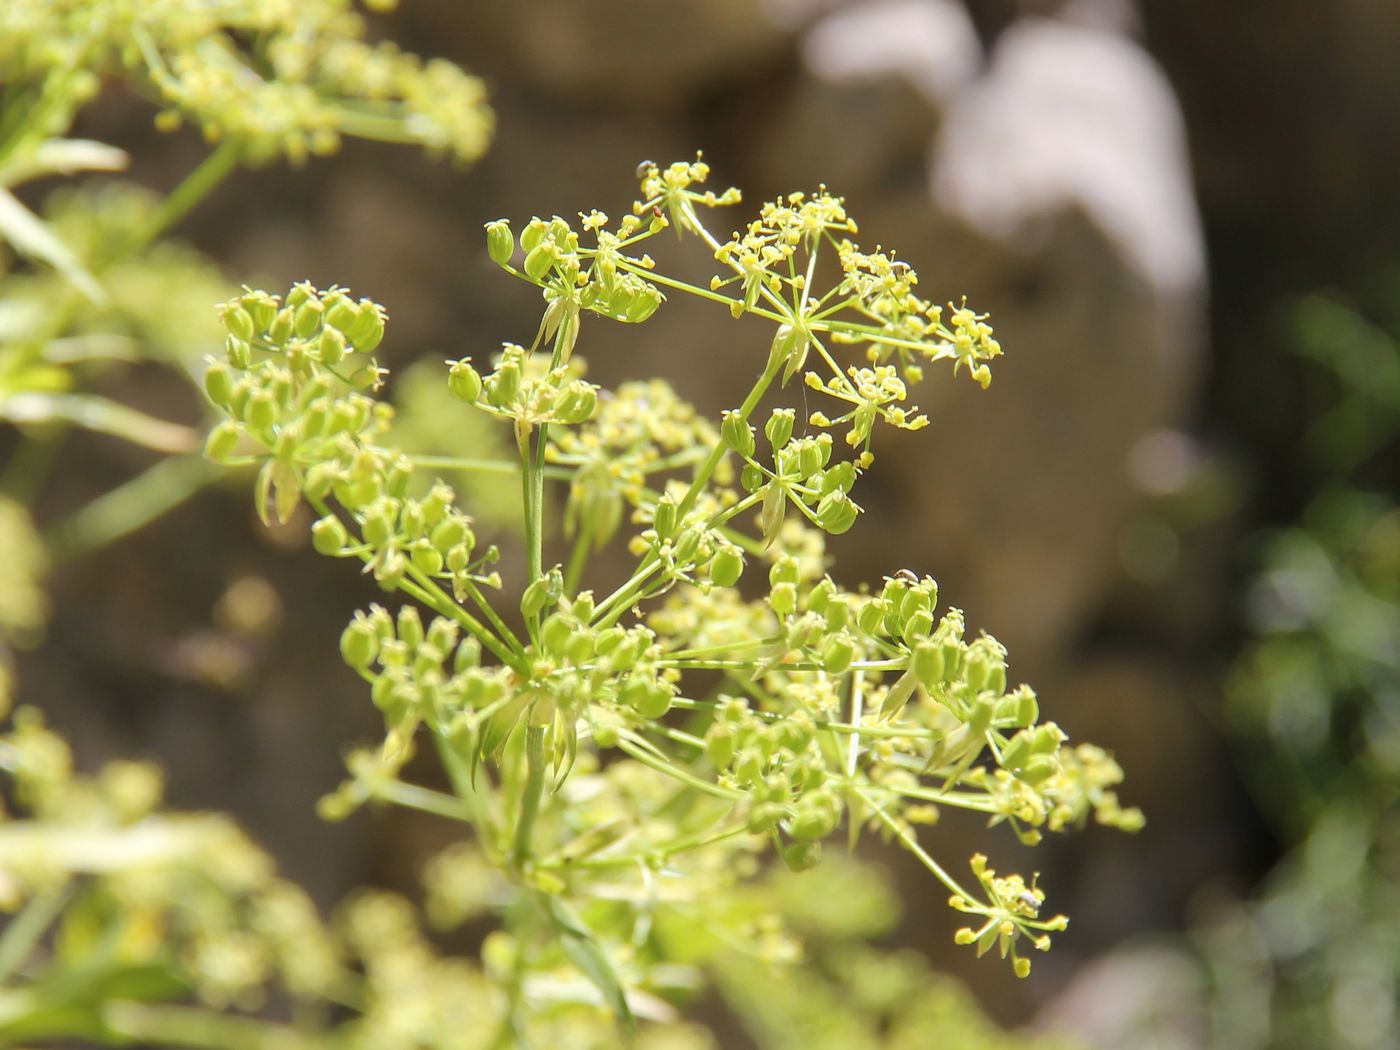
425, 800
25, 929
197, 185
530, 798
129, 507
646, 758
578, 557
910, 843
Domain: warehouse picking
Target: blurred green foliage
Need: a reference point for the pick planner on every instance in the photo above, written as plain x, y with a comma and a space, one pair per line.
1314, 705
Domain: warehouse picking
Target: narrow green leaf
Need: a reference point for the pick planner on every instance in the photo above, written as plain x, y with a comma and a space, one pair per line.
32, 236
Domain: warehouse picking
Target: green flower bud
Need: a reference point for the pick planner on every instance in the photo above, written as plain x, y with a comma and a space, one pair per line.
328, 536
500, 242
307, 318
238, 352
748, 766
533, 234
504, 385
539, 261
838, 615
719, 745
1016, 752
836, 513
223, 439
410, 626
342, 315
449, 532
555, 633
727, 565
809, 459
1038, 769
779, 427
578, 405
359, 644
927, 664
917, 627
261, 412
427, 559
738, 434
871, 617
783, 599
665, 519
367, 331
785, 570
1047, 739
642, 305
331, 346
261, 307
816, 818
281, 328
238, 321
802, 856
468, 655
609, 640
532, 602
751, 478
218, 384
464, 381
764, 817
442, 634
378, 526
837, 654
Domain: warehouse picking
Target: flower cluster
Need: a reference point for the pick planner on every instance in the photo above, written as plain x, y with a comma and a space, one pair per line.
772, 720
278, 79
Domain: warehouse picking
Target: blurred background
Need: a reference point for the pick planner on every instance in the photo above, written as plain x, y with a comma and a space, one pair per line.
1175, 505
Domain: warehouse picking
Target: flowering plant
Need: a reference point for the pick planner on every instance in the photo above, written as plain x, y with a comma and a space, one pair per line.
624, 749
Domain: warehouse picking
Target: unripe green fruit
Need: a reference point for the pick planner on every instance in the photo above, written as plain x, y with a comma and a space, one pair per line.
307, 318
328, 536
837, 655
719, 745
427, 559
927, 664
802, 856
727, 565
464, 381
331, 346
779, 427
539, 262
500, 242
239, 322
737, 433
223, 439
815, 819
218, 384
764, 817
359, 644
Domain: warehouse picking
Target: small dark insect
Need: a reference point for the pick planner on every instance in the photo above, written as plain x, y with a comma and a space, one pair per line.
644, 167
908, 576
656, 210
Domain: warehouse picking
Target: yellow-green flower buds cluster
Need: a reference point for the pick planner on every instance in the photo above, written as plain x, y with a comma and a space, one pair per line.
398, 535
281, 79
803, 472
872, 394
419, 673
670, 189
291, 387
680, 543
1012, 912
779, 766
515, 389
